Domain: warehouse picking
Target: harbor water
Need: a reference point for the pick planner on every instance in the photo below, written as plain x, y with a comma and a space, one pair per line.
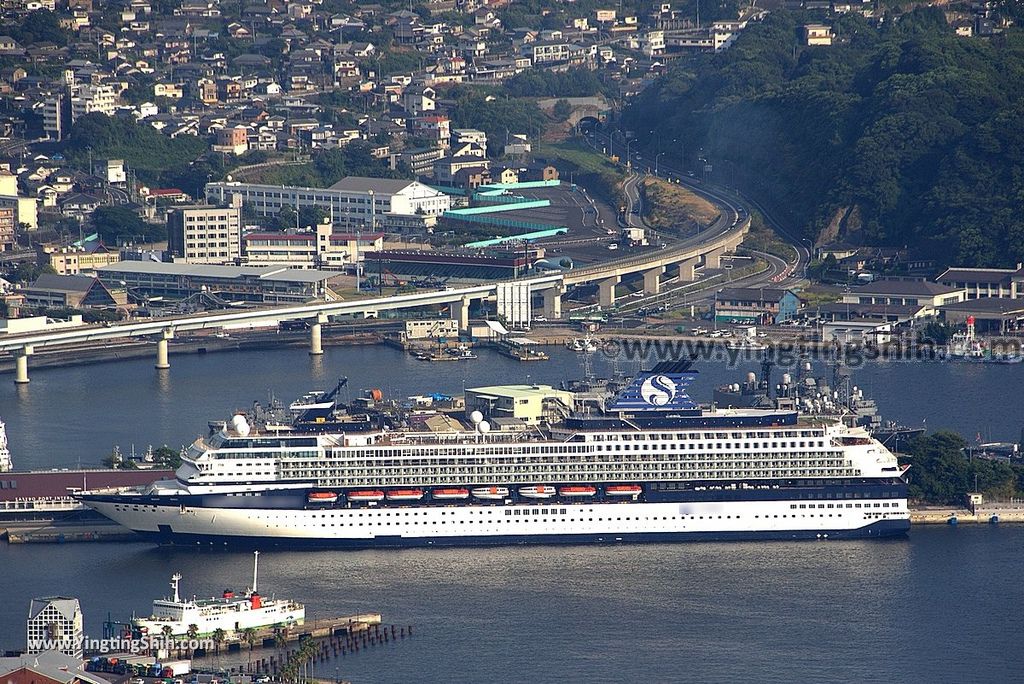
941, 605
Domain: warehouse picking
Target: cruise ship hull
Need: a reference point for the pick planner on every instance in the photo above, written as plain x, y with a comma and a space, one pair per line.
537, 523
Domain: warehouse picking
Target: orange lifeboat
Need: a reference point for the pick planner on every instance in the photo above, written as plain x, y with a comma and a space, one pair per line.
450, 494
537, 492
577, 491
365, 495
322, 497
624, 490
405, 495
490, 493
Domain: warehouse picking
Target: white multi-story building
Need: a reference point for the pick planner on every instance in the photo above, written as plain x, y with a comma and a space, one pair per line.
55, 624
86, 99
319, 247
352, 201
205, 234
54, 115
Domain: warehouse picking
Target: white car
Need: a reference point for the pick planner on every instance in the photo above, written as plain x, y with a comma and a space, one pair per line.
613, 246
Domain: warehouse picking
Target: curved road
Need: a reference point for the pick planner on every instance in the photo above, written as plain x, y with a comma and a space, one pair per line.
792, 273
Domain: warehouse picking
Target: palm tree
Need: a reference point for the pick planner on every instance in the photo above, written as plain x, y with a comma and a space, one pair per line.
280, 637
218, 638
193, 636
249, 636
167, 631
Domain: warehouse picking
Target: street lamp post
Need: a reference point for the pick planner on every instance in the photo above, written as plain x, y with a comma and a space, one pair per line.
629, 161
656, 157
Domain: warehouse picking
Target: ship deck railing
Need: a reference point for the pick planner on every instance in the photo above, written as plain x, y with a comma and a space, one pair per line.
463, 437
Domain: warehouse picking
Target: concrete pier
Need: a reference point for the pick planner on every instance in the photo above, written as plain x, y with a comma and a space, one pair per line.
316, 345
606, 291
162, 360
687, 269
460, 312
652, 280
21, 366
553, 302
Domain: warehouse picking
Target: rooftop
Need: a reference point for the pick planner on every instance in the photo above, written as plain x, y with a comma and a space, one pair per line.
515, 391
978, 275
384, 186
62, 283
904, 287
270, 272
987, 305
758, 294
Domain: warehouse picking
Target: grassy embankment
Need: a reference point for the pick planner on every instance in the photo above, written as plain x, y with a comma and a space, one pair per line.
585, 167
672, 208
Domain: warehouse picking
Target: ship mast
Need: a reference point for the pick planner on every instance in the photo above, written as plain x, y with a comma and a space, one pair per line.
5, 454
255, 569
175, 578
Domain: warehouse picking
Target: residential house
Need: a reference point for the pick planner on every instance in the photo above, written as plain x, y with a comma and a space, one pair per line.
764, 306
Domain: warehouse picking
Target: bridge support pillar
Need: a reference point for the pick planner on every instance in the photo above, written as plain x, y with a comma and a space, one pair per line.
21, 366
606, 291
316, 345
713, 259
162, 361
688, 269
553, 302
460, 313
652, 280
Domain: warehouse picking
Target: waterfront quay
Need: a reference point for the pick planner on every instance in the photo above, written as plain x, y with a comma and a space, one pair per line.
313, 649
988, 514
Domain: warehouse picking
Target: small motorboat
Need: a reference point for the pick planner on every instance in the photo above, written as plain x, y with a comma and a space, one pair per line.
405, 495
450, 494
362, 495
490, 493
537, 492
624, 490
577, 491
322, 497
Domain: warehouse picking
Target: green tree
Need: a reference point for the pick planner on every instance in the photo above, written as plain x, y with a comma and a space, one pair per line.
943, 470
249, 637
193, 635
218, 636
167, 632
118, 224
39, 26
869, 141
562, 110
167, 457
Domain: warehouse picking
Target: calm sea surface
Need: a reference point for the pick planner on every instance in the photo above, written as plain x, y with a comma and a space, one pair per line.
942, 605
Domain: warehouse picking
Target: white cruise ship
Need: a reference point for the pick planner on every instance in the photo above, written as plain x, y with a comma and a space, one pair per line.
643, 464
229, 612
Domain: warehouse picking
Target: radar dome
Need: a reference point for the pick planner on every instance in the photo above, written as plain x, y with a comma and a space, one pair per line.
240, 425
485, 427
476, 417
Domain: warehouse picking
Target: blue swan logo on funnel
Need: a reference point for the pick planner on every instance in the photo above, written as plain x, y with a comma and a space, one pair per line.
658, 390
